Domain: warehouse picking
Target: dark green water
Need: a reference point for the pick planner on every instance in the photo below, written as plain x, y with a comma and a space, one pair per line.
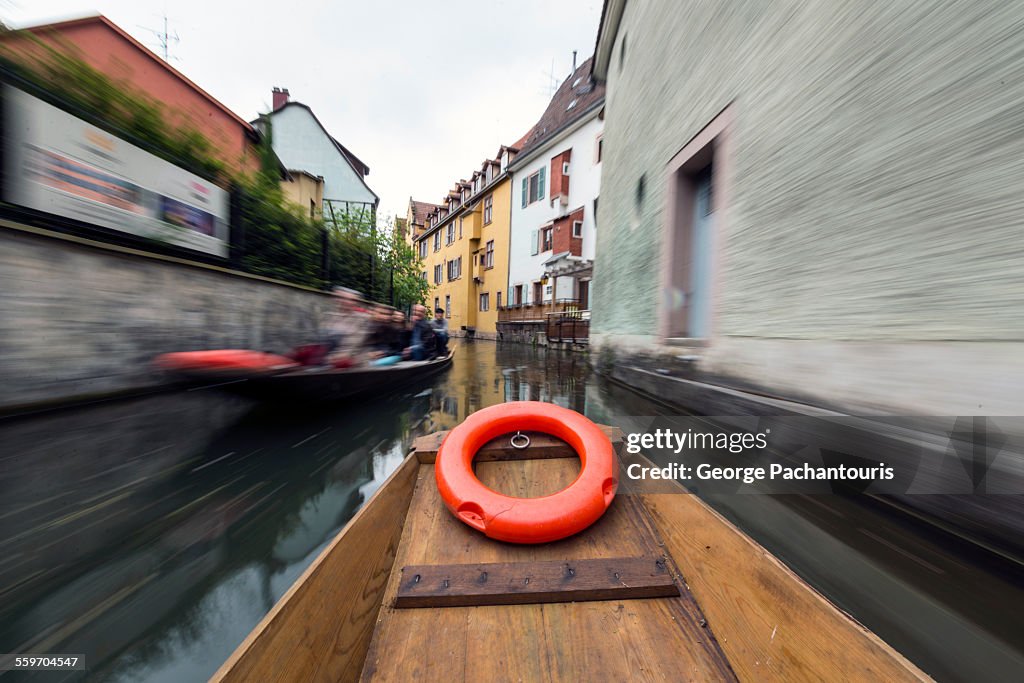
151, 535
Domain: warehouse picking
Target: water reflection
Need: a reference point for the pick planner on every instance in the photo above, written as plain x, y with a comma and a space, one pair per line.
153, 534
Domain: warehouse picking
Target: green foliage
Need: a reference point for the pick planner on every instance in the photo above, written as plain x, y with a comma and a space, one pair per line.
71, 84
374, 260
280, 239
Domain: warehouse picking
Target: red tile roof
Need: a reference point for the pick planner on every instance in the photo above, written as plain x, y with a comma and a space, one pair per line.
577, 94
420, 211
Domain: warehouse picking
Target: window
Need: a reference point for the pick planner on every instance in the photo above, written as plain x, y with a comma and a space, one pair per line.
437, 274
455, 269
545, 239
451, 233
437, 241
488, 209
423, 275
437, 304
460, 228
693, 202
533, 187
577, 228
565, 168
423, 249
447, 306
497, 302
489, 255
485, 301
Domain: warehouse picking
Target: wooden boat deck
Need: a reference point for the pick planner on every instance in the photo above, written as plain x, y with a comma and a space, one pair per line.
739, 613
532, 642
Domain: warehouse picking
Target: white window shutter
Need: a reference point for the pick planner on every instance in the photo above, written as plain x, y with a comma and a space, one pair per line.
534, 238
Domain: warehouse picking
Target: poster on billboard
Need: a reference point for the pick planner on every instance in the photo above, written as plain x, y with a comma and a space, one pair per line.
57, 163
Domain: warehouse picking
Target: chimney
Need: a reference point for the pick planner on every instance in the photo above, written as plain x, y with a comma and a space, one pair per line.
573, 63
280, 97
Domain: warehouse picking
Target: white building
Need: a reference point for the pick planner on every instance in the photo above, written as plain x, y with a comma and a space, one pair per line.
556, 179
301, 142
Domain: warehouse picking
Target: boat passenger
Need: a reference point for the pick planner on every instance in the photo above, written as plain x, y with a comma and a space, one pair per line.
385, 338
421, 345
347, 329
401, 330
440, 326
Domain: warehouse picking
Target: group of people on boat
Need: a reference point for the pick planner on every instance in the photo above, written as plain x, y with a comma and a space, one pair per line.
359, 333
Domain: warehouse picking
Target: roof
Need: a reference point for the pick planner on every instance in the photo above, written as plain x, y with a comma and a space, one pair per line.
607, 30
577, 96
361, 169
420, 211
102, 20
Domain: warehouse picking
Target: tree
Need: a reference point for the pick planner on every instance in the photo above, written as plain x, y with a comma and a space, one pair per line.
407, 283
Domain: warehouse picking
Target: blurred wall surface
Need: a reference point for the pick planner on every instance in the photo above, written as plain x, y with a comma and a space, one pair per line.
819, 201
104, 46
77, 321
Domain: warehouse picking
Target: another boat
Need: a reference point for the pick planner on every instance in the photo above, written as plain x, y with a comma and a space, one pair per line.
659, 588
277, 378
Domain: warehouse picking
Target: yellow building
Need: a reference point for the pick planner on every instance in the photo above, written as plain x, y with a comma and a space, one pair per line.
306, 190
464, 249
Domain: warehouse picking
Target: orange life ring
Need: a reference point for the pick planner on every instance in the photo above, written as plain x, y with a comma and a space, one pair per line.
527, 520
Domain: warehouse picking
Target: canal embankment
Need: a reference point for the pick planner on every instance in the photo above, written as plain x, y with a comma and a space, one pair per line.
81, 319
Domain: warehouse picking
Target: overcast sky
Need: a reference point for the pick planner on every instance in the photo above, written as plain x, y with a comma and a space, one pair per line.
420, 90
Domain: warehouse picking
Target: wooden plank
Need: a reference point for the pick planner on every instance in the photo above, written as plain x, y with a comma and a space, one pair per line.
772, 625
321, 628
542, 446
618, 640
521, 583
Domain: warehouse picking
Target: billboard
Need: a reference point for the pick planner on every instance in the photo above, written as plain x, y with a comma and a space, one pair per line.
58, 163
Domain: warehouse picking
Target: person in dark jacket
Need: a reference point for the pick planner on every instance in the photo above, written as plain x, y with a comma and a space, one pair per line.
440, 326
421, 345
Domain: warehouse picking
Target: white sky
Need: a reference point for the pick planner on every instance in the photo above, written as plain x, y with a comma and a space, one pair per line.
421, 90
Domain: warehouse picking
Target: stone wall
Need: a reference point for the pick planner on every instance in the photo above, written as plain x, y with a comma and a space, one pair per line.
875, 195
79, 320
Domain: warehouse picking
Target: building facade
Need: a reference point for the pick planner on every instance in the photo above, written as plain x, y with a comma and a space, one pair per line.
301, 142
416, 219
464, 249
813, 204
556, 181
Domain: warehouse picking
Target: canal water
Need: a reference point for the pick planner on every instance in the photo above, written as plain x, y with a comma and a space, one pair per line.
151, 535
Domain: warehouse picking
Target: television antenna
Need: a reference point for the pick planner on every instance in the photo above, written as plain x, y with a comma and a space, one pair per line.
553, 82
165, 38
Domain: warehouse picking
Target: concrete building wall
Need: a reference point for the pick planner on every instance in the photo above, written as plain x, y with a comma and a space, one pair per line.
77, 321
872, 235
302, 144
584, 187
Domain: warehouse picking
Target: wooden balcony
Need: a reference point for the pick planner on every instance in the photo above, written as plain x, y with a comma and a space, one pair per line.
538, 312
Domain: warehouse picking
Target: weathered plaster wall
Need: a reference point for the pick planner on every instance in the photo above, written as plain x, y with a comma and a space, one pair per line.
877, 192
77, 320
